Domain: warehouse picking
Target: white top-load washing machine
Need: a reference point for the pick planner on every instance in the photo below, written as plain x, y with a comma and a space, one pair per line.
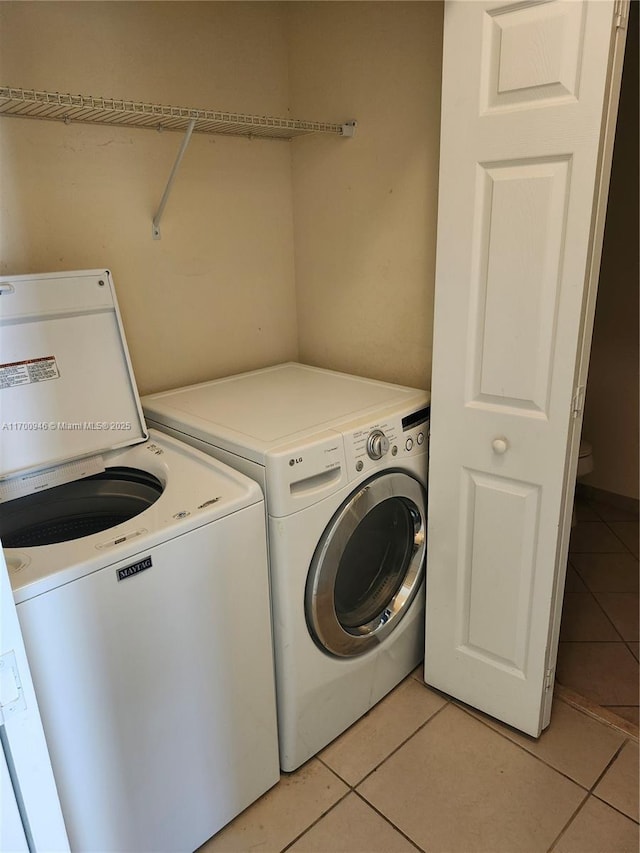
343, 464
137, 564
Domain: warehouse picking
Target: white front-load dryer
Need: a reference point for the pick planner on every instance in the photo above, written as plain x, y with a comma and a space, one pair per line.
132, 558
343, 463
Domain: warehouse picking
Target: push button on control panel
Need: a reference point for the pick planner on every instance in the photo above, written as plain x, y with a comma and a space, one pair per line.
409, 443
420, 438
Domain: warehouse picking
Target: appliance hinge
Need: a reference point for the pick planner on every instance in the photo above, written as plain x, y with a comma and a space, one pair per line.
548, 679
577, 402
11, 693
619, 19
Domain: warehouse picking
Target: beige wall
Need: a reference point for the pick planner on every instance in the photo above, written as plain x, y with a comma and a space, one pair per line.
216, 295
611, 411
365, 208
233, 285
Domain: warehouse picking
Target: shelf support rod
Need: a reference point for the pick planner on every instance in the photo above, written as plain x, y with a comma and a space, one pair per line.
167, 189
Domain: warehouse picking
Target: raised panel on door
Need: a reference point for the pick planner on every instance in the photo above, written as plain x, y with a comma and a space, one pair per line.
532, 52
520, 211
491, 567
521, 158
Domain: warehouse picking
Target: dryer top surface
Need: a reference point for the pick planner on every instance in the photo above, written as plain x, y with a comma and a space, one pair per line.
252, 413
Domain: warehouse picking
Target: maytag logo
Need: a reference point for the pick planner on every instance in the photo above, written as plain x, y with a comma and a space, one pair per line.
134, 569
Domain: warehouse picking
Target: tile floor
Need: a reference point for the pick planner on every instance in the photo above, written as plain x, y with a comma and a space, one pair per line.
421, 772
598, 652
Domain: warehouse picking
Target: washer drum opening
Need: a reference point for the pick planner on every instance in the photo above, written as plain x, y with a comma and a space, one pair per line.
81, 508
368, 565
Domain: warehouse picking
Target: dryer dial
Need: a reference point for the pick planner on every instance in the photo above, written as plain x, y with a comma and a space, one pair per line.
377, 444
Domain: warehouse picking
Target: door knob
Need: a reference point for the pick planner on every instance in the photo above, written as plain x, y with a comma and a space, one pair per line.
500, 445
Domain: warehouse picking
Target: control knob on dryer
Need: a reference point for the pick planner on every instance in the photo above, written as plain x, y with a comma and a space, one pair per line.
377, 444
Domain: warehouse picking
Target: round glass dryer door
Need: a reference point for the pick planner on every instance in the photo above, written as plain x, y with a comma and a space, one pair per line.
368, 565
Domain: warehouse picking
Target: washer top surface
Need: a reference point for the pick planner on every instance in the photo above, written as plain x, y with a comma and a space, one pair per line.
252, 413
197, 490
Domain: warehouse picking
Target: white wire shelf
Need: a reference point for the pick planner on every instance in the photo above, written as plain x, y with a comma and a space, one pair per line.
53, 106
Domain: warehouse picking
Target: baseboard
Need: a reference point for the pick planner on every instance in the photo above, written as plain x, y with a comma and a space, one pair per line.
623, 502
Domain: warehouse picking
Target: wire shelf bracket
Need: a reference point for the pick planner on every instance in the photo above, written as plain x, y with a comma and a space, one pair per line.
86, 109
155, 230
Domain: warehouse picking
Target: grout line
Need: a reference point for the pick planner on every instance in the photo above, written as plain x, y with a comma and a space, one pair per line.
390, 822
594, 596
603, 774
443, 696
353, 788
607, 617
569, 822
519, 745
609, 765
393, 751
591, 793
317, 820
619, 538
615, 809
504, 735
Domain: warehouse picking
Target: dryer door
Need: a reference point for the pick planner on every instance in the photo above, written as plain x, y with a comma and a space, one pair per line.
368, 565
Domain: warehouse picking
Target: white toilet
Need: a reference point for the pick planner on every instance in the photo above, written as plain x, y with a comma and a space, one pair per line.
585, 459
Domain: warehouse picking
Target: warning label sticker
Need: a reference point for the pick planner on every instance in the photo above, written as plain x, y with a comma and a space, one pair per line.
28, 371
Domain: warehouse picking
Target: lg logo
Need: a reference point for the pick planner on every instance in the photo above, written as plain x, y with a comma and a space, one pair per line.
295, 461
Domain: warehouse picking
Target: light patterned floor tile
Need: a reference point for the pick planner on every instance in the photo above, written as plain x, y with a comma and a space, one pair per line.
606, 673
608, 572
592, 537
584, 619
622, 609
458, 786
619, 785
597, 828
575, 744
282, 814
350, 827
374, 737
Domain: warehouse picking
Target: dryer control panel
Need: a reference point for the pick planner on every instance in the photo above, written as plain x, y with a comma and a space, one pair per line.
386, 441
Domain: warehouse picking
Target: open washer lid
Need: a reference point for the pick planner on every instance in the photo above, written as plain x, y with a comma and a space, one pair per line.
67, 389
